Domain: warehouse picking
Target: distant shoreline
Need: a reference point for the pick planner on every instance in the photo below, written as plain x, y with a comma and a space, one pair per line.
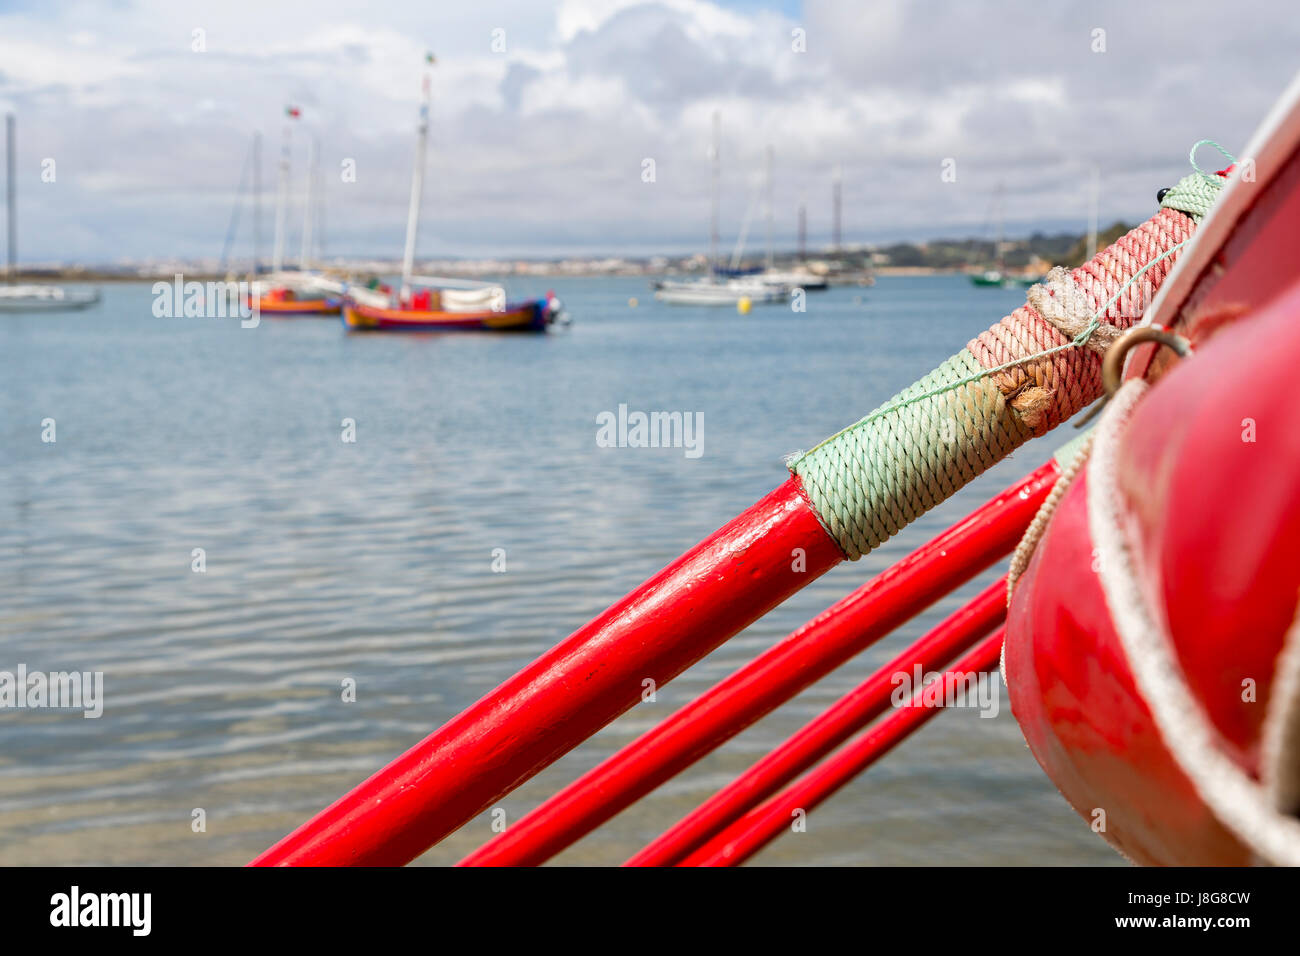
105, 276
47, 276
1031, 256
915, 271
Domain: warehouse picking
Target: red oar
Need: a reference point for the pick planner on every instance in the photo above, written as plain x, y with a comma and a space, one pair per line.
850, 714
672, 620
811, 652
754, 831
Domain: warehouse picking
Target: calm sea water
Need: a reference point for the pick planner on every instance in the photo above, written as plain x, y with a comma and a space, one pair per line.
373, 560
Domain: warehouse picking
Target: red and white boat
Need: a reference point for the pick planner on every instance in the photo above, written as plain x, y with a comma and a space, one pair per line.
300, 292
436, 305
439, 305
297, 294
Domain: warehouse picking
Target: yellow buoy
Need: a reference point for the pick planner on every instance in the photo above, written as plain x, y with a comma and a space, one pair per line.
631, 303
743, 305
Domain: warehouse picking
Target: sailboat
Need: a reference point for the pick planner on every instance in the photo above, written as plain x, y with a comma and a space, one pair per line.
998, 277
430, 304
721, 286
31, 298
717, 290
797, 278
296, 292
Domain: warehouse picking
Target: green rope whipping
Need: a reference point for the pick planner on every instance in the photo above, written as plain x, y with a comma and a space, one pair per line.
1195, 193
876, 476
872, 479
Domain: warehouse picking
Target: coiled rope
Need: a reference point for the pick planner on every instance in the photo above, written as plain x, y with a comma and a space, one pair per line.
1019, 379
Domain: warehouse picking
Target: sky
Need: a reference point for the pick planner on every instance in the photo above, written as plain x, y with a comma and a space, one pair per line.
135, 117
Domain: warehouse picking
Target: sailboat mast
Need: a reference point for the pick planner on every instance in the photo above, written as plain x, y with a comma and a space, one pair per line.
12, 239
257, 203
770, 225
304, 257
417, 186
319, 231
837, 179
1092, 212
282, 197
997, 246
803, 230
713, 207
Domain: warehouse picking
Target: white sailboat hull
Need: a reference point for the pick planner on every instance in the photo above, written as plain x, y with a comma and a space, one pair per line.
48, 298
795, 280
707, 292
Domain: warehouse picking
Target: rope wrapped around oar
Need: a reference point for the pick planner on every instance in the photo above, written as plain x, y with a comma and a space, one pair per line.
1022, 377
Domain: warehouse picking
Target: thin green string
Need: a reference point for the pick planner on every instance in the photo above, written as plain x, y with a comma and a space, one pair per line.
1191, 157
1077, 342
1193, 194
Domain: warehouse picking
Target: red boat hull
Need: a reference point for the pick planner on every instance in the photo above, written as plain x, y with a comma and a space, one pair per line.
532, 315
298, 307
1153, 647
1214, 520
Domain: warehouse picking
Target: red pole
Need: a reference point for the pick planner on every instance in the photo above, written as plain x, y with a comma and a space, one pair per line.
830, 639
672, 620
758, 828
842, 720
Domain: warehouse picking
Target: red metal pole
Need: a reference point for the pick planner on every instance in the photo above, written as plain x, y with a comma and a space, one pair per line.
758, 828
830, 639
846, 717
672, 620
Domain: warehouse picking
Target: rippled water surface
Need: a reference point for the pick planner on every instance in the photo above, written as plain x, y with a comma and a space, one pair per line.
373, 561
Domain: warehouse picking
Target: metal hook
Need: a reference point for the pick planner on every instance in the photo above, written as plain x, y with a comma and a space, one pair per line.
1112, 364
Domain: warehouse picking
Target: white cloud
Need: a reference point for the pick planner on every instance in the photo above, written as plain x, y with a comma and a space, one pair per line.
539, 149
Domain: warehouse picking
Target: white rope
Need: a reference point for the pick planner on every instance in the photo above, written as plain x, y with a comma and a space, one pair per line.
1280, 750
1038, 527
1060, 300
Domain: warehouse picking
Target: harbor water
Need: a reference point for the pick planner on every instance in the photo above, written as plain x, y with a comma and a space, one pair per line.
293, 552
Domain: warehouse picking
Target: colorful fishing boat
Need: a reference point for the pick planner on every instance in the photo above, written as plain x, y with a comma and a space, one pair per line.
298, 294
422, 304
440, 306
285, 303
1152, 640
